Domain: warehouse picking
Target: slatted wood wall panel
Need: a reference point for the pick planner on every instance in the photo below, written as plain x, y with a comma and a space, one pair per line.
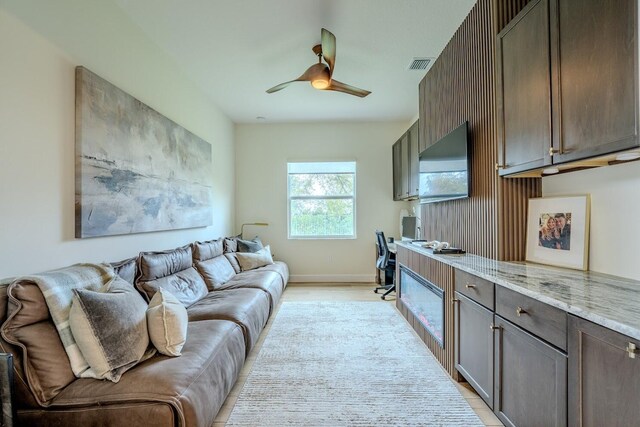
461, 86
441, 275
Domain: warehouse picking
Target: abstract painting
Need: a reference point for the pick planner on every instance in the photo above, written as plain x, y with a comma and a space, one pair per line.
136, 170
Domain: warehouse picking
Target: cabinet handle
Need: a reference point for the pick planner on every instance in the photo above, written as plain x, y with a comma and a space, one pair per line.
469, 286
632, 350
520, 311
553, 151
454, 301
493, 327
499, 166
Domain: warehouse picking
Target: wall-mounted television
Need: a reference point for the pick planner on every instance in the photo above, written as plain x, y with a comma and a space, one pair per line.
445, 168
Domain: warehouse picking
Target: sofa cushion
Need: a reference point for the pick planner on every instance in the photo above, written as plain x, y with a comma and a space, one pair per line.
195, 384
232, 257
126, 269
214, 267
281, 268
253, 245
230, 244
44, 365
167, 320
251, 261
216, 271
268, 281
110, 328
203, 251
249, 308
173, 271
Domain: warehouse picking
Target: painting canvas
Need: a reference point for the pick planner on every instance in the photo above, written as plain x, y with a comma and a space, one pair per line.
136, 170
558, 231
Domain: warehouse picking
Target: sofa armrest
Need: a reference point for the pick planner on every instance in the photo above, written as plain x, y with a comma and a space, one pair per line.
7, 407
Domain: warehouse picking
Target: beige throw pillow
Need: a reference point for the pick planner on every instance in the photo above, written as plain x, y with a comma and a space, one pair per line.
110, 328
167, 322
249, 261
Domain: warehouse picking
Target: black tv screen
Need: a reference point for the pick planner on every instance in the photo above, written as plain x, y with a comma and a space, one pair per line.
444, 168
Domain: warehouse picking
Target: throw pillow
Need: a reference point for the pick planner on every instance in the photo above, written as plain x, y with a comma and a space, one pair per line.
253, 245
167, 322
110, 328
250, 261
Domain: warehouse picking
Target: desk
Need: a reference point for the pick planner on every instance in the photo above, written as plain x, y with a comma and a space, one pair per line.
392, 248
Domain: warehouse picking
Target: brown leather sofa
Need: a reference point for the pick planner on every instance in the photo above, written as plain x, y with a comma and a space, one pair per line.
227, 311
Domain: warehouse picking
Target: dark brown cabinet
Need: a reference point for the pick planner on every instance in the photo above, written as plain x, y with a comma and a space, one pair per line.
474, 346
604, 376
519, 375
524, 90
414, 161
406, 164
530, 379
595, 77
397, 185
567, 83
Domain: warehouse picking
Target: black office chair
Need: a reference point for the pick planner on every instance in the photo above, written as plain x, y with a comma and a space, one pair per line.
386, 261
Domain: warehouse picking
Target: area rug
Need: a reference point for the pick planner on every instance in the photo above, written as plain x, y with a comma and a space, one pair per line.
347, 364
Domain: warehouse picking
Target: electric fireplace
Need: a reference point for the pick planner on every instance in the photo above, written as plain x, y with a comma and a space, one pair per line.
425, 301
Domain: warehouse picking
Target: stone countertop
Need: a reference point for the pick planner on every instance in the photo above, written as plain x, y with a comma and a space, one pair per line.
610, 301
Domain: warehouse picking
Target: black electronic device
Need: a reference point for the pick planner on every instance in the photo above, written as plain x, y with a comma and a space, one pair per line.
449, 251
445, 168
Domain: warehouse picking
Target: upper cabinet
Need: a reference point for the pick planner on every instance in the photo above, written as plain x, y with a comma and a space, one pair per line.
405, 165
524, 90
567, 83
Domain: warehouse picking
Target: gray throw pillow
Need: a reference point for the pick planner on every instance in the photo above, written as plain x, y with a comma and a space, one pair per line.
253, 245
250, 261
110, 328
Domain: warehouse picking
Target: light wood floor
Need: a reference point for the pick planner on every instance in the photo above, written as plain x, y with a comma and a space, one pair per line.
335, 292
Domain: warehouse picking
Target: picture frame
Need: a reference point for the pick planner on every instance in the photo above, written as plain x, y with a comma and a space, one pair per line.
558, 231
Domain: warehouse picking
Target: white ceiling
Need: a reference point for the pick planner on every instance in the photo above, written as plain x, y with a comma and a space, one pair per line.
236, 49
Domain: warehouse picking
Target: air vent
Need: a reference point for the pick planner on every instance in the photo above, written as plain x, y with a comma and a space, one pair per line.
419, 64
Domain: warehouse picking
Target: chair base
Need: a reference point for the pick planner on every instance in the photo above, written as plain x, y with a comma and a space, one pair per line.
391, 289
388, 288
384, 288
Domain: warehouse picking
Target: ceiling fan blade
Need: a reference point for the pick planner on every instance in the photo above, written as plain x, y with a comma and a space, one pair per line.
343, 87
280, 86
307, 76
329, 49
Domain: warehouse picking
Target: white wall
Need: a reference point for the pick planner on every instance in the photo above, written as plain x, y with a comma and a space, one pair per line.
262, 152
41, 42
615, 214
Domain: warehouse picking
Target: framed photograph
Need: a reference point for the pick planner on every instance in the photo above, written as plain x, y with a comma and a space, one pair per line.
558, 231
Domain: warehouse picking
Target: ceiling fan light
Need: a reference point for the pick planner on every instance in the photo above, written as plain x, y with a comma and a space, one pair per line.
320, 83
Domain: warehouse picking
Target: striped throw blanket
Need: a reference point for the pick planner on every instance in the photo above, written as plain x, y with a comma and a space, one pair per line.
57, 287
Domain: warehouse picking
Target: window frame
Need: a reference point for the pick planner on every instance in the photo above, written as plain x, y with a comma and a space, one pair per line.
353, 197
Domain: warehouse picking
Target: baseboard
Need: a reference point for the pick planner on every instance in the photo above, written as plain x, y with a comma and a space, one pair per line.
332, 278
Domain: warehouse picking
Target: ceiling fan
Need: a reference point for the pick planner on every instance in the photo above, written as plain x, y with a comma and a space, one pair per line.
321, 75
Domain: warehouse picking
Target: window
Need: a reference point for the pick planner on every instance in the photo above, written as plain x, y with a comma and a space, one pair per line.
322, 200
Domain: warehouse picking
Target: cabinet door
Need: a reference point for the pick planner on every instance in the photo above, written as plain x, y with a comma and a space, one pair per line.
595, 76
404, 165
397, 186
414, 161
474, 346
524, 90
604, 378
422, 115
530, 379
